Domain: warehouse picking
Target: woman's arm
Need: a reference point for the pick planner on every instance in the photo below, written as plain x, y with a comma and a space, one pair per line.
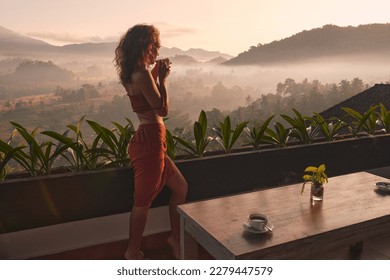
162, 86
155, 94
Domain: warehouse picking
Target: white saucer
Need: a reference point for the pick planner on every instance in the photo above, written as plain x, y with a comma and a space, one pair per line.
383, 186
247, 227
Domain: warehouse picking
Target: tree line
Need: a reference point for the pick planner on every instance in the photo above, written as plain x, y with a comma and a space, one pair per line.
305, 96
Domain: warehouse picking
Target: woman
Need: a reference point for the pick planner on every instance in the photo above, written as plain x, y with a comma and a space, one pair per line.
135, 53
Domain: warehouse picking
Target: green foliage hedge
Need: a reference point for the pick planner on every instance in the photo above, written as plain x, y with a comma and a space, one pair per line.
24, 151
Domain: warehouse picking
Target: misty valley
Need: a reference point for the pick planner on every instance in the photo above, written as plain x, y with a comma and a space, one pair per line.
47, 87
49, 96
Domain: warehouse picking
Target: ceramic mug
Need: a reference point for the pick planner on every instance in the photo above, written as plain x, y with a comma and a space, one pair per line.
257, 221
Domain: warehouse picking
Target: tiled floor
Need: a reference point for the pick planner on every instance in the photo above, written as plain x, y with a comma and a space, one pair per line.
155, 248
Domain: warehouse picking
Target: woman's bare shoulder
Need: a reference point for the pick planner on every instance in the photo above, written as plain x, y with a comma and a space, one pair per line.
142, 75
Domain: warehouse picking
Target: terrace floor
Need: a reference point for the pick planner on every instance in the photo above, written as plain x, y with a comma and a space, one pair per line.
155, 248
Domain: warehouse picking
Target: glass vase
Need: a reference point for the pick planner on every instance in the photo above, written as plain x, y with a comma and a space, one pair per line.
317, 192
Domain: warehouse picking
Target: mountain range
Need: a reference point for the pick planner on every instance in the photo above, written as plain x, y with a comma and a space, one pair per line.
325, 42
328, 41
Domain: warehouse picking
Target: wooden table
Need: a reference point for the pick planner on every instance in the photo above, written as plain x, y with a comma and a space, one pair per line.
352, 211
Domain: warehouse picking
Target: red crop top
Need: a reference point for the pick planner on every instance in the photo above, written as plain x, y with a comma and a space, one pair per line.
139, 103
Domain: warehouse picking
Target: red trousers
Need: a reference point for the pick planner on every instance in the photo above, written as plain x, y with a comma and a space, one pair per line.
152, 167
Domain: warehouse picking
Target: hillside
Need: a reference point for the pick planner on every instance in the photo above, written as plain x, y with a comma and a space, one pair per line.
13, 44
328, 41
38, 72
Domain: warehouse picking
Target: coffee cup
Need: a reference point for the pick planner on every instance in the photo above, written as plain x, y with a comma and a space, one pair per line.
257, 221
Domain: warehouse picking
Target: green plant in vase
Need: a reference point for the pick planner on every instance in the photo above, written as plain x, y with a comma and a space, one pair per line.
318, 178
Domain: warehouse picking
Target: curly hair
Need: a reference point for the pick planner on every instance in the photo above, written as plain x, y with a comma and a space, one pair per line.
132, 48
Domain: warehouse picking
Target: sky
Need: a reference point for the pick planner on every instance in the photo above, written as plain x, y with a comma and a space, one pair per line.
228, 26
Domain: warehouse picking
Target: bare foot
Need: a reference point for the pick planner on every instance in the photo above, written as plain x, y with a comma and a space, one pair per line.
175, 247
138, 256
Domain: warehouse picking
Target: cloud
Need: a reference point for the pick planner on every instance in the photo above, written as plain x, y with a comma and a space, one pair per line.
100, 39
167, 30
170, 31
70, 38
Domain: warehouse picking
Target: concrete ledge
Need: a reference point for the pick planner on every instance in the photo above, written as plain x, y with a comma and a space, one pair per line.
48, 240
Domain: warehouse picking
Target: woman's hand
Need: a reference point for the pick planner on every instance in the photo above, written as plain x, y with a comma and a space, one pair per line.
164, 68
155, 70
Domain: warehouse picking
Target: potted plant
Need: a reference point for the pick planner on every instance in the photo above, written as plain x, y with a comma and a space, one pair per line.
318, 178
